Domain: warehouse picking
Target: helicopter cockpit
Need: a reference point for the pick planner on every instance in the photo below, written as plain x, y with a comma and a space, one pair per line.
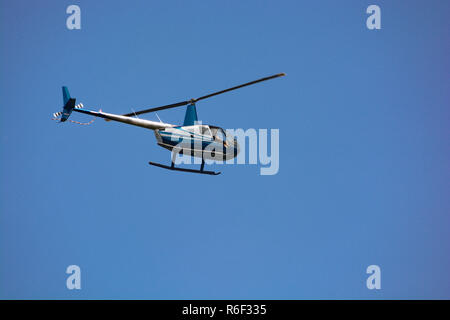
218, 134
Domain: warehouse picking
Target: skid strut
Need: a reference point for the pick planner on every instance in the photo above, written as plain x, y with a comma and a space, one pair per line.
172, 167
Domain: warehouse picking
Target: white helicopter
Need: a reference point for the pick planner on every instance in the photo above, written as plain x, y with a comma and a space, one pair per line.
191, 138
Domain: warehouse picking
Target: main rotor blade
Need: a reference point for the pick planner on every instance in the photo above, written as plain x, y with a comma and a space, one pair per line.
183, 103
173, 105
239, 86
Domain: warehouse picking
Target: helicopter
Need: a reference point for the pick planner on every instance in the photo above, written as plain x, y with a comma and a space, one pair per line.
191, 138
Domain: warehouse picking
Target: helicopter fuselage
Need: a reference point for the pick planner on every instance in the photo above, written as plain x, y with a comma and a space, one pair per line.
202, 141
191, 138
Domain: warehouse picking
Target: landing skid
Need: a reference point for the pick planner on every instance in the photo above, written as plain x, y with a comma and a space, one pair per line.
172, 167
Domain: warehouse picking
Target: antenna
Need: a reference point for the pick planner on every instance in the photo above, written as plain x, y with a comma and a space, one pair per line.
134, 113
158, 117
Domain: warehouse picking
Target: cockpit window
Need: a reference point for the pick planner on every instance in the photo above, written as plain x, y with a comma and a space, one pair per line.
205, 131
220, 135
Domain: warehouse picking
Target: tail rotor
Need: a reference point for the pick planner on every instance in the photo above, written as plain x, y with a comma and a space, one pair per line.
69, 106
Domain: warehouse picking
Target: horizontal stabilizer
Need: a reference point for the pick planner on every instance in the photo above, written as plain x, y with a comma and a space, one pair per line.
59, 114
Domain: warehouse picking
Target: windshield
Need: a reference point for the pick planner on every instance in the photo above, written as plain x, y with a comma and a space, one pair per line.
218, 133
205, 131
215, 133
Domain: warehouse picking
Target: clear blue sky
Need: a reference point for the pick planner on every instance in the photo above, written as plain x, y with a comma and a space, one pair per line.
364, 155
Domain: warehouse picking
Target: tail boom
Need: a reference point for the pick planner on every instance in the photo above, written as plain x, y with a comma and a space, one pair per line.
69, 106
128, 120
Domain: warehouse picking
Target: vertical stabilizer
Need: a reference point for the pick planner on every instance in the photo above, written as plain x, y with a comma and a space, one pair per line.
66, 95
69, 104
